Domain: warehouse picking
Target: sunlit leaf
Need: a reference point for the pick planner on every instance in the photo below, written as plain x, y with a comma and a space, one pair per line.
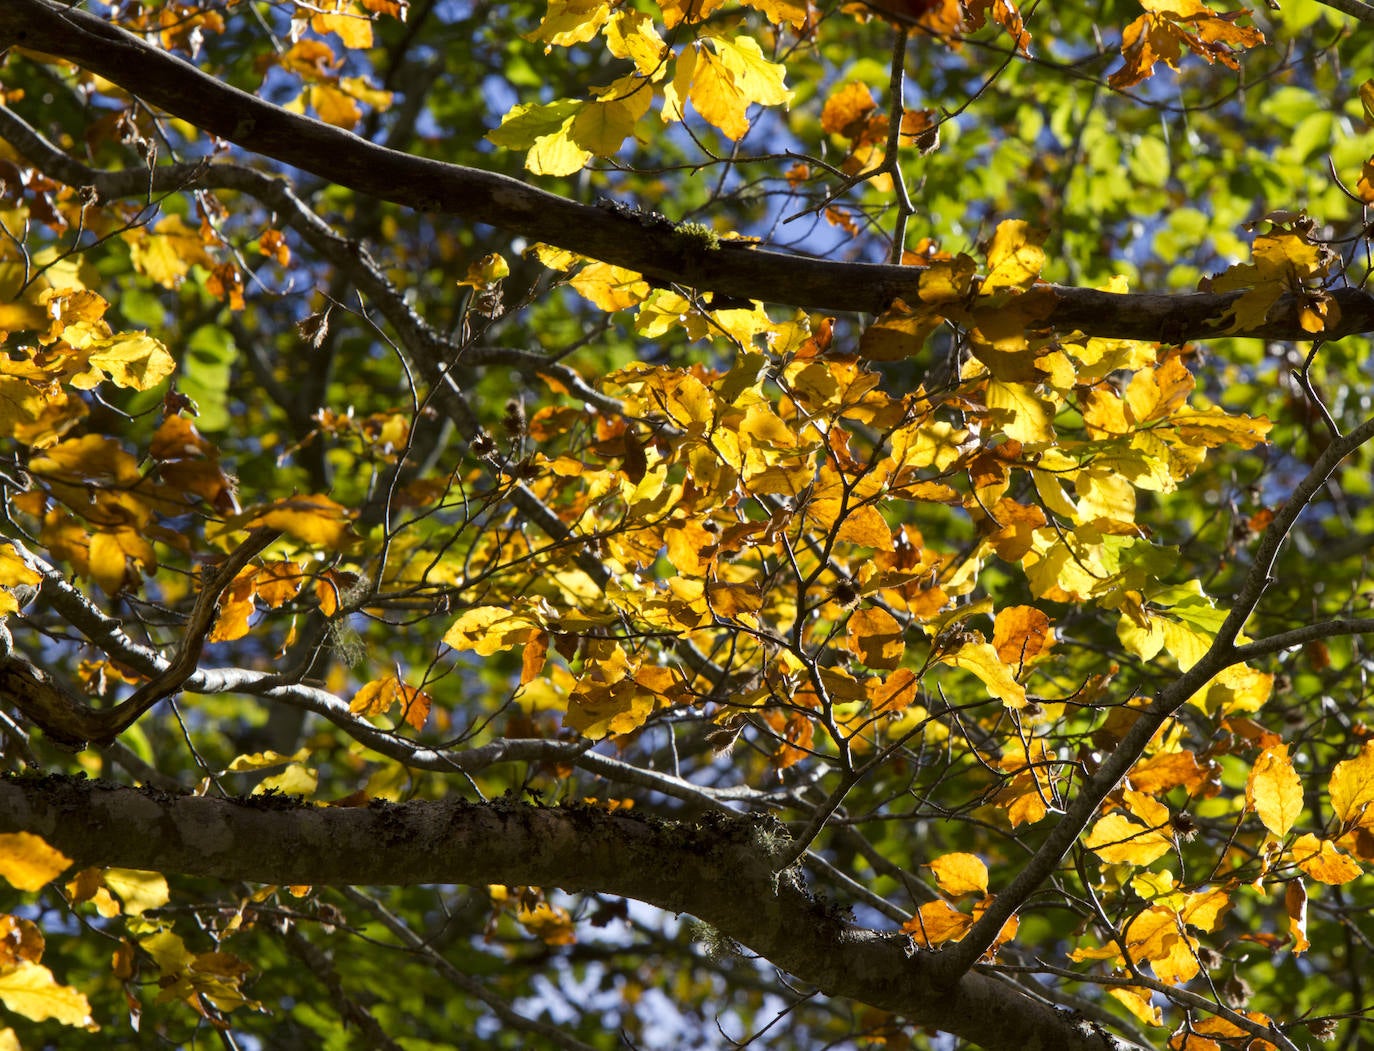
1321, 860
27, 862
1274, 790
961, 874
1352, 789
29, 989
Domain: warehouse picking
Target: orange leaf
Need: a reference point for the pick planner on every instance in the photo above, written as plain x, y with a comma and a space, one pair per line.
378, 696
235, 608
1021, 633
937, 922
1295, 901
961, 874
875, 637
846, 110
532, 657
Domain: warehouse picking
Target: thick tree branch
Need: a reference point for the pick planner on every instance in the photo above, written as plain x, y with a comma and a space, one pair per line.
720, 870
655, 250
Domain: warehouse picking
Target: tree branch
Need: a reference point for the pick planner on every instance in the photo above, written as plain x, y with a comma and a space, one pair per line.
719, 870
1222, 654
733, 269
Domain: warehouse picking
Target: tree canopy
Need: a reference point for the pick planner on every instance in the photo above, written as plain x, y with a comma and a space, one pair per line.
664, 523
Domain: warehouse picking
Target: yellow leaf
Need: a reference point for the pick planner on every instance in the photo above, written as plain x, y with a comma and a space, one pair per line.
546, 131
1018, 412
603, 125
532, 658
557, 154
1367, 101
278, 583
1352, 789
553, 258
1153, 394
862, 525
20, 939
490, 629
338, 16
568, 22
132, 359
487, 272
895, 693
1321, 860
1204, 909
846, 108
1156, 936
315, 520
759, 80
875, 637
295, 780
1213, 427
236, 608
552, 926
1282, 258
632, 35
982, 660
1137, 1001
27, 862
961, 874
360, 89
1237, 689
14, 571
265, 760
722, 81
1015, 257
1117, 839
610, 287
898, 333
334, 106
29, 989
168, 253
167, 950
138, 890
1274, 790
598, 709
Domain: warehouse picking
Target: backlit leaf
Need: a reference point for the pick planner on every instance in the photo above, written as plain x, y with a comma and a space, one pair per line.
961, 874
1321, 860
1274, 790
29, 989
315, 520
982, 660
935, 923
1015, 257
27, 862
138, 890
875, 637
1352, 789
1116, 838
490, 629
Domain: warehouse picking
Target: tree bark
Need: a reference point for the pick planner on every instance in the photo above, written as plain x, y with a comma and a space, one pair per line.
651, 245
719, 869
